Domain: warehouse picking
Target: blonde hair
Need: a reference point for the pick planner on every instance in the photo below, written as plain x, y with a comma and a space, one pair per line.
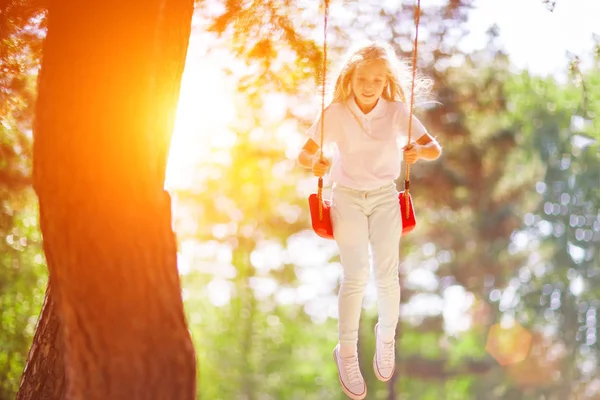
399, 74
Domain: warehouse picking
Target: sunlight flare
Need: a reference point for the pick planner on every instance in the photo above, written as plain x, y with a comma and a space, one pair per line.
205, 109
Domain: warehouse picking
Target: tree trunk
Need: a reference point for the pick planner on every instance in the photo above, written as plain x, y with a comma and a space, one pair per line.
107, 93
44, 375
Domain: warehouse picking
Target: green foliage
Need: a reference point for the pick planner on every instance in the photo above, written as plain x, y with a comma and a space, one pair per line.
558, 288
22, 284
267, 353
254, 210
22, 266
277, 52
20, 47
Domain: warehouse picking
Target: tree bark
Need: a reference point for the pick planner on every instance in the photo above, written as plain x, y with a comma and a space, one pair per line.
107, 94
44, 375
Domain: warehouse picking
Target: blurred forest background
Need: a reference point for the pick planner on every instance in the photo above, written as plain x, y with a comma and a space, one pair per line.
501, 278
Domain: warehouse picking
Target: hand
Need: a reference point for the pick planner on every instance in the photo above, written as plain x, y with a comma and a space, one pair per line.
320, 167
412, 153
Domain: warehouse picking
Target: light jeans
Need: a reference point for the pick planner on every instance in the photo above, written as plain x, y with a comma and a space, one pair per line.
360, 219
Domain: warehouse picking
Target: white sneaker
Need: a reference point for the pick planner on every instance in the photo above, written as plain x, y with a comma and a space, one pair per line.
384, 362
351, 379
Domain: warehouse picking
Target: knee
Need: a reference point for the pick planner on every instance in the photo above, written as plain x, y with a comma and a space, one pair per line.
387, 282
386, 270
356, 279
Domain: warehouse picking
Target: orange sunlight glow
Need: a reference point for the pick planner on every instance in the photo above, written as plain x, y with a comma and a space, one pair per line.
205, 109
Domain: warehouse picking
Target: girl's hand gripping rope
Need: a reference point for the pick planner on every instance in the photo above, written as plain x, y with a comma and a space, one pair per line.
320, 167
412, 153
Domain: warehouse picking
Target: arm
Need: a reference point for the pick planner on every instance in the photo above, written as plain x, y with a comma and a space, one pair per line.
309, 158
426, 146
307, 155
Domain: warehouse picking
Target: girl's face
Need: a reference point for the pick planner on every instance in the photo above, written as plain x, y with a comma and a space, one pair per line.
368, 82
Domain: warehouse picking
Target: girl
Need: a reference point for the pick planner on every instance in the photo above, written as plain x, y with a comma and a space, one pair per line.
365, 122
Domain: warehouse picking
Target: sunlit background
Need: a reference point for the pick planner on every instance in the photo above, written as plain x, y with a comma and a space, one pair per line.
537, 38
534, 39
501, 278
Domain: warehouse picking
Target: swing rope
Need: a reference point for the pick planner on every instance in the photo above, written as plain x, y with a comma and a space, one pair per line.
417, 15
412, 102
325, 18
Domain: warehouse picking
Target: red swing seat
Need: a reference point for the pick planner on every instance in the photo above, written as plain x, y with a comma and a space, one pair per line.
320, 212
